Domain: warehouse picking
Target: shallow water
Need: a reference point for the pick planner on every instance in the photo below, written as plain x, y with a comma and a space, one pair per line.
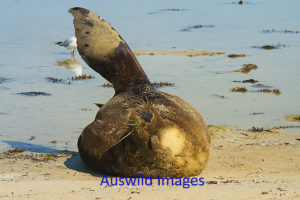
28, 56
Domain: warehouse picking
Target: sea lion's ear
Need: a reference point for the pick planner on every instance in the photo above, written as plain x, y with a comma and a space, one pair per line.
102, 48
99, 105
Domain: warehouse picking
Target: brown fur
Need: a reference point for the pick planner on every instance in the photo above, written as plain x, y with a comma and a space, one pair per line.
140, 130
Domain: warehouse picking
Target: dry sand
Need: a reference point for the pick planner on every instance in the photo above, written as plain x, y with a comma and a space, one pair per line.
176, 53
242, 165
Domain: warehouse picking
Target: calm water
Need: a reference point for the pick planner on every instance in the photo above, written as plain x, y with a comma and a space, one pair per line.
28, 56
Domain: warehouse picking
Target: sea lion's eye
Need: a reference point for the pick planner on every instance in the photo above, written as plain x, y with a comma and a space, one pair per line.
145, 115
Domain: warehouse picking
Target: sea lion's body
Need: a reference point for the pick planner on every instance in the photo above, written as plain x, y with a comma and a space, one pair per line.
140, 130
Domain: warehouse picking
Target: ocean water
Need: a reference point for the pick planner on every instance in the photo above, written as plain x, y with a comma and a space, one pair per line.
28, 56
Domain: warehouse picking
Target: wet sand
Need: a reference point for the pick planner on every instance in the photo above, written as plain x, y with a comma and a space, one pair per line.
242, 165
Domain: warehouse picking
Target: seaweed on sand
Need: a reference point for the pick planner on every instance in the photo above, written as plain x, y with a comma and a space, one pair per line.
246, 68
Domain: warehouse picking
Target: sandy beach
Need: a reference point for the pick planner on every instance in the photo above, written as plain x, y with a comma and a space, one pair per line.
235, 62
242, 165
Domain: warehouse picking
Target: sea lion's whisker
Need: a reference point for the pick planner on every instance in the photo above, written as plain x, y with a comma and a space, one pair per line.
121, 139
147, 101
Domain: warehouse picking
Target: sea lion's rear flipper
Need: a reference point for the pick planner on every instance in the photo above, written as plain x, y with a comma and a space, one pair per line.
102, 48
108, 129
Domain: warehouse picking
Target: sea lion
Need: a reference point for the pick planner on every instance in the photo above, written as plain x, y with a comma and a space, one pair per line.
139, 130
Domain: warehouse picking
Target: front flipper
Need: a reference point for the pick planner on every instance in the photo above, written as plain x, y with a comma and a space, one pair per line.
109, 127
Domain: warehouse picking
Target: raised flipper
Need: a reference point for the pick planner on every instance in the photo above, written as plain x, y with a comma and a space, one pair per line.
102, 48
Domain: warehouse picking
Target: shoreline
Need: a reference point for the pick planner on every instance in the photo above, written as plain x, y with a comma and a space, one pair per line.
242, 165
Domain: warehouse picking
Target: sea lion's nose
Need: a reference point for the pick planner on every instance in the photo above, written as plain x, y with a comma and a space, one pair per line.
145, 115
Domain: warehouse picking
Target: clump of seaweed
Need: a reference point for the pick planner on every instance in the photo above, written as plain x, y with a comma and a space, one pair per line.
279, 31
82, 77
268, 30
167, 10
161, 84
202, 26
264, 89
68, 80
34, 94
53, 142
239, 89
57, 80
260, 85
21, 154
257, 113
294, 118
267, 90
171, 9
290, 31
246, 68
219, 96
197, 27
247, 81
107, 85
264, 192
86, 109
13, 151
239, 2
236, 55
54, 80
285, 127
270, 47
256, 129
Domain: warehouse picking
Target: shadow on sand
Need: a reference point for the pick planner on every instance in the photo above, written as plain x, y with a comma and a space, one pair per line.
76, 163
